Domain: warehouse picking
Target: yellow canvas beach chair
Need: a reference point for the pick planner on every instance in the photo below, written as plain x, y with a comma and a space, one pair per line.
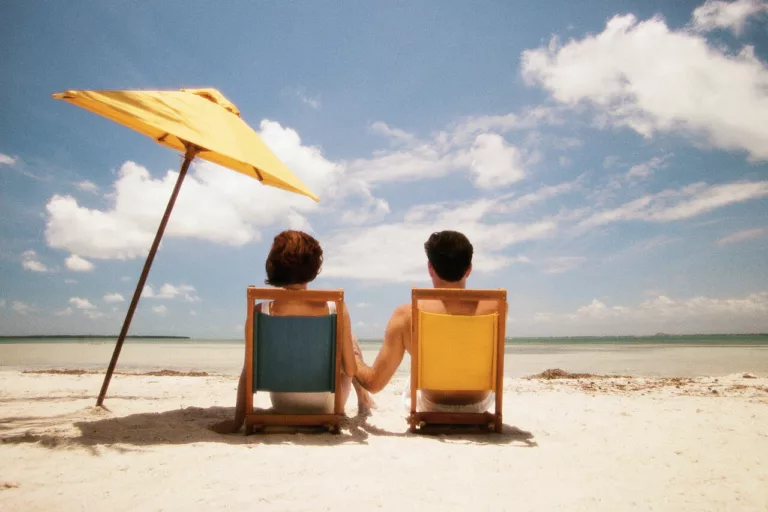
457, 353
299, 354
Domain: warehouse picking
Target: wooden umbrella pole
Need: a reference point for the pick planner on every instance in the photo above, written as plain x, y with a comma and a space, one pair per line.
188, 157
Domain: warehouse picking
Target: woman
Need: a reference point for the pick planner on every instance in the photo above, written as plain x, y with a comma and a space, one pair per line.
293, 262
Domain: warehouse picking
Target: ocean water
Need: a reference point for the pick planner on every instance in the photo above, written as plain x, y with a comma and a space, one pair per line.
658, 339
667, 356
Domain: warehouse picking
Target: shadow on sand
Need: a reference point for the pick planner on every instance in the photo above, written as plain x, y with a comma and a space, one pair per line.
191, 425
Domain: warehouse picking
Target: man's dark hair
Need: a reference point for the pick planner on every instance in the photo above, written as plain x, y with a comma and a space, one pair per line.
450, 254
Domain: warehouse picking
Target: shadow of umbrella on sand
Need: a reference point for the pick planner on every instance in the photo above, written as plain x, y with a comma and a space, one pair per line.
201, 123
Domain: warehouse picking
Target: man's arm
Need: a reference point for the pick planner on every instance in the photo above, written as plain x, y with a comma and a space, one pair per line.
391, 354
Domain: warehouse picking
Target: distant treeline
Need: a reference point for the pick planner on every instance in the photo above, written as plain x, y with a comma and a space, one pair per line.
91, 337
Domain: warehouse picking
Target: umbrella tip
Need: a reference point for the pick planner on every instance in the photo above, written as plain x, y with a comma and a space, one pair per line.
61, 95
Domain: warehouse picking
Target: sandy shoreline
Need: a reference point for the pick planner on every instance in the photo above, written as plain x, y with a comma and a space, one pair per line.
573, 444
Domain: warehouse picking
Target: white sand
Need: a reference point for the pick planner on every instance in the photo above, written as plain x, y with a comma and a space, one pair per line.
648, 446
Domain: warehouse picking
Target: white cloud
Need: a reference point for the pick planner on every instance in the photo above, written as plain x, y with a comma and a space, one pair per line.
193, 313
3, 302
30, 261
211, 197
78, 264
395, 135
610, 161
87, 186
743, 236
650, 78
64, 312
489, 158
160, 310
311, 101
125, 279
424, 161
93, 314
684, 203
538, 196
465, 131
394, 252
6, 159
362, 305
645, 170
81, 303
70, 281
21, 308
20, 167
561, 264
372, 211
113, 297
494, 162
641, 248
474, 144
662, 313
716, 14
659, 313
170, 291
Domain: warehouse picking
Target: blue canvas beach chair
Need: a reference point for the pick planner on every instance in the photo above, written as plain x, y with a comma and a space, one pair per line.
300, 354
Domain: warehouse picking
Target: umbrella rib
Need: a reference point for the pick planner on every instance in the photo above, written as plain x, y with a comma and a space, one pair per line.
258, 174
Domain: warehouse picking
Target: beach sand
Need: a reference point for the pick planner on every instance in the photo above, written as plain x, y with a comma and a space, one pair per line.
588, 444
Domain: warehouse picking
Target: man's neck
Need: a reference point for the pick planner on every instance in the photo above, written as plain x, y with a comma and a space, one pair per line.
447, 284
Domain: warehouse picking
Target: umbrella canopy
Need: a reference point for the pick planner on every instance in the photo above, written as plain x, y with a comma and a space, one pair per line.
201, 117
199, 122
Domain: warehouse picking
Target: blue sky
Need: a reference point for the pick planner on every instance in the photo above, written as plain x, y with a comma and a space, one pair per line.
609, 160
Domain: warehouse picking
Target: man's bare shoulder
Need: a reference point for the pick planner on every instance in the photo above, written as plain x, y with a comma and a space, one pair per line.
400, 319
402, 313
485, 307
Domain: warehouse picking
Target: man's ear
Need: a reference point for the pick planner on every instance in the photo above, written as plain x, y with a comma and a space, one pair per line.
431, 270
469, 271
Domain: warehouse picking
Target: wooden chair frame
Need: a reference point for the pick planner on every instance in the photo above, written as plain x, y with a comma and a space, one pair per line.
426, 421
264, 419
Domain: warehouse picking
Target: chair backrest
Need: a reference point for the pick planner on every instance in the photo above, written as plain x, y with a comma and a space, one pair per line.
458, 352
293, 353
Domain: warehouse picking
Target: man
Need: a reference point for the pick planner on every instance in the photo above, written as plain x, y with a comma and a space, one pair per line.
450, 263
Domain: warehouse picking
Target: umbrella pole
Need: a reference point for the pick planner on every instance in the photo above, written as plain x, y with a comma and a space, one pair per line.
188, 157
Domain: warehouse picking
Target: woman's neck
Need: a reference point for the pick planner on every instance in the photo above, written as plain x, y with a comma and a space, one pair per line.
296, 286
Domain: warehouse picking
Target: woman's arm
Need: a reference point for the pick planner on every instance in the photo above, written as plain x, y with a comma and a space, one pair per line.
347, 348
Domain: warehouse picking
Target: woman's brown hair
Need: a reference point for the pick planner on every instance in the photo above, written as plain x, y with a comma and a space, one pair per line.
295, 258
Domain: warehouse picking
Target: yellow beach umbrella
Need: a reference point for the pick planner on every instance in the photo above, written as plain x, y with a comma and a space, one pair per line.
201, 123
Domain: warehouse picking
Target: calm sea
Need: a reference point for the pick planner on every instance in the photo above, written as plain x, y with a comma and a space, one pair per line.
643, 356
683, 339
